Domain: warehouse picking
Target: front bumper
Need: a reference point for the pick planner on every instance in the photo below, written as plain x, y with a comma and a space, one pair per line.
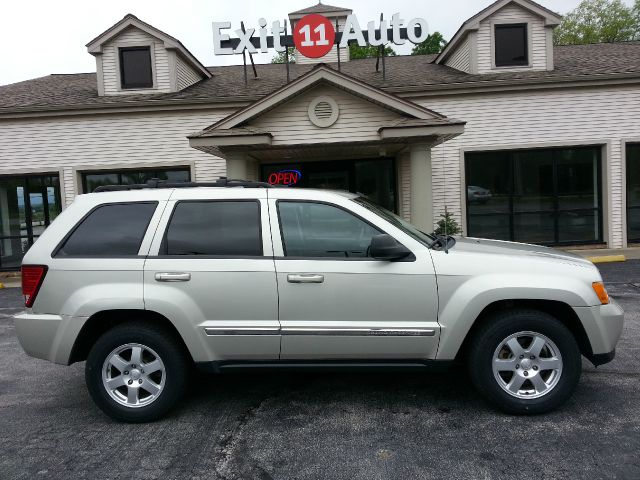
50, 337
602, 358
603, 326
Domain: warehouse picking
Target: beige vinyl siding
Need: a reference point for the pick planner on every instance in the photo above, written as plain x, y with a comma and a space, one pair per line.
185, 75
359, 120
101, 142
535, 29
460, 58
134, 37
538, 119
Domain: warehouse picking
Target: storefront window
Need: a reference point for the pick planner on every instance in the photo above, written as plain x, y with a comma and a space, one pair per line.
374, 178
93, 180
28, 204
633, 193
546, 196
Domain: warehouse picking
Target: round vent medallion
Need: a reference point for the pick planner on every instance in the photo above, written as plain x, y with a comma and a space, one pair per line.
323, 111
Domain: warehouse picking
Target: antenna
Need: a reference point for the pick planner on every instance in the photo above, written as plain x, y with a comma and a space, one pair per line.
286, 52
338, 46
244, 59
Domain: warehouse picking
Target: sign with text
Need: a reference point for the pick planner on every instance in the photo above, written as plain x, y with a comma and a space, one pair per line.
285, 177
315, 35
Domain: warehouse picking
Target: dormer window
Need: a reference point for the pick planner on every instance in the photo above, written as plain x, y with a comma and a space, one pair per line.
511, 45
135, 67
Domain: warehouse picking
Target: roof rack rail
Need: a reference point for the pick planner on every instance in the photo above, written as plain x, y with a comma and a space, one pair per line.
157, 183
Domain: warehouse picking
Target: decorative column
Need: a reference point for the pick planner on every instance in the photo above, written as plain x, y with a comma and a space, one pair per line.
237, 166
421, 188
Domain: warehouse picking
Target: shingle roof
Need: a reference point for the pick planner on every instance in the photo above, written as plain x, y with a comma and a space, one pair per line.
403, 74
320, 8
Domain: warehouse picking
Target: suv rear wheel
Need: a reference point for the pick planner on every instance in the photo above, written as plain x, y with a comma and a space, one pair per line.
136, 372
525, 362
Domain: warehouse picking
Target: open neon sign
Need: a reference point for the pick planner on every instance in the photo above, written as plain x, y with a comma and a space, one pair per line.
285, 177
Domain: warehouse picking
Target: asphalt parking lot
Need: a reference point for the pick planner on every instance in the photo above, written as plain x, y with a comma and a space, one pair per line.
270, 425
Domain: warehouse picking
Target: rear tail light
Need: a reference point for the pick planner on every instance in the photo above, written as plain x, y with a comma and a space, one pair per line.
32, 278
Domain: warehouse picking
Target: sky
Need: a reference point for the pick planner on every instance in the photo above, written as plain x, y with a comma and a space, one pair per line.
41, 37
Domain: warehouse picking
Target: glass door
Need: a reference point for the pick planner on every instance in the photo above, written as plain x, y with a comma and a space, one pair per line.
633, 193
28, 204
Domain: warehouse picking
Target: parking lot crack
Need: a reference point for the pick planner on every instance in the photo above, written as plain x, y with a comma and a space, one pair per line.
229, 440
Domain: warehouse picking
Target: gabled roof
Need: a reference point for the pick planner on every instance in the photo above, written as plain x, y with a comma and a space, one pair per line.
551, 19
95, 46
321, 8
322, 73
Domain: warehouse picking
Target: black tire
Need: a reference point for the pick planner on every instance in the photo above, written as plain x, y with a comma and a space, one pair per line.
162, 342
499, 327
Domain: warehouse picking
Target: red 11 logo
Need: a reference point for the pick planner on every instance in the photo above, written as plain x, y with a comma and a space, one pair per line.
314, 36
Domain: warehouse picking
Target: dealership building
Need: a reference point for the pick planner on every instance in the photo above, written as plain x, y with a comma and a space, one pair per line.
517, 138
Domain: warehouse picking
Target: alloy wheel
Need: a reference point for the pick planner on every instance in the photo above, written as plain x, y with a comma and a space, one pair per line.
527, 365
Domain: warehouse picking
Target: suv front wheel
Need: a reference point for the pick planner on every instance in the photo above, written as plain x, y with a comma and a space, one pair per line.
136, 372
525, 361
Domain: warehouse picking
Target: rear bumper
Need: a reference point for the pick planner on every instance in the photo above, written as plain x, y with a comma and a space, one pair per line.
50, 337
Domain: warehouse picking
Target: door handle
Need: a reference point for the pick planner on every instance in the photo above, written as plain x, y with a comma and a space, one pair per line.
305, 278
173, 277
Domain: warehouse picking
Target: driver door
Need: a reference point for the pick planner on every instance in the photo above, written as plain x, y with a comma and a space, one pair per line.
336, 302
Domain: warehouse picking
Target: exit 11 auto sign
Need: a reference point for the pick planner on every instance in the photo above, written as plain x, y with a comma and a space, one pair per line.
315, 35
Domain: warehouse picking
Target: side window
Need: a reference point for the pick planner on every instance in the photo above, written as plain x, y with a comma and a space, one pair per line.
230, 228
511, 45
320, 230
110, 230
135, 67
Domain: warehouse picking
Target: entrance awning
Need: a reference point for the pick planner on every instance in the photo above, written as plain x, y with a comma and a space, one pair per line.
355, 113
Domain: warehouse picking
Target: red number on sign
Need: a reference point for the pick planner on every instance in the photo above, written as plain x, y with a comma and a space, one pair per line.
314, 36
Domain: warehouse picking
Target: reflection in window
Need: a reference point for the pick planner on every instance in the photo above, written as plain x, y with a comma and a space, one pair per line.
28, 204
547, 196
320, 230
93, 180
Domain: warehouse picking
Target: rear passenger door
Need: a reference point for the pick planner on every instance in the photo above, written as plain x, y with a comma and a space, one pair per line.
211, 271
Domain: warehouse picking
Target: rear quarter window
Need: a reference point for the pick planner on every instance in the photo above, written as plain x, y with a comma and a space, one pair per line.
109, 230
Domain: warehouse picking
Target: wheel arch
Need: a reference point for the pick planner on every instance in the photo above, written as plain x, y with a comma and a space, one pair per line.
100, 322
559, 310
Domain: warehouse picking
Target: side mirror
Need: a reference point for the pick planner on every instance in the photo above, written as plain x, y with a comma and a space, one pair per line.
385, 247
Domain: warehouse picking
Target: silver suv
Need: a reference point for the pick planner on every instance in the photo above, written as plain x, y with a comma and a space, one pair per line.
145, 281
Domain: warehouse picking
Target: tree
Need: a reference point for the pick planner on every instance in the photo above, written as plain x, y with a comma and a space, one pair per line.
434, 43
448, 224
356, 51
595, 21
280, 58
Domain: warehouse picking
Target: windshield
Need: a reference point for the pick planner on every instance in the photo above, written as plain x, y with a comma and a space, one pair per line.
396, 221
